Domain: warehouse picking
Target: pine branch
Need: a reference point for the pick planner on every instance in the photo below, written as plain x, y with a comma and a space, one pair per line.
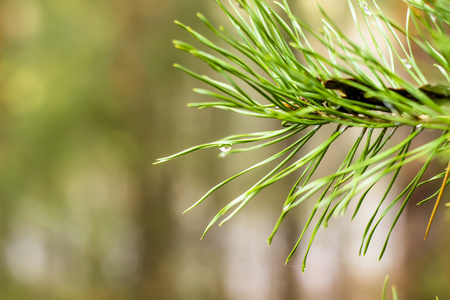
351, 86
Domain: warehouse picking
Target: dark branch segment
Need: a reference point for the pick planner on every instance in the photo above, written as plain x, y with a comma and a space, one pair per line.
349, 90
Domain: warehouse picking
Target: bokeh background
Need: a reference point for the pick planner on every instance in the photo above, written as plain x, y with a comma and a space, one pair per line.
89, 99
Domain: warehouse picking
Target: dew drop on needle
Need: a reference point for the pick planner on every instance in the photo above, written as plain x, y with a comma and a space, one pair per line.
432, 17
406, 63
225, 147
367, 10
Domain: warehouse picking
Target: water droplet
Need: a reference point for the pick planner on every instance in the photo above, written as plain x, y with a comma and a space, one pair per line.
367, 10
406, 63
272, 73
418, 126
225, 147
432, 17
267, 9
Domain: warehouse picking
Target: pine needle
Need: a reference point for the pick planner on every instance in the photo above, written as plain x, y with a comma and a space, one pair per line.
438, 200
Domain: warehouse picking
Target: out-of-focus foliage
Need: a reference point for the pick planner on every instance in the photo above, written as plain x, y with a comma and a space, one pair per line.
63, 177
79, 81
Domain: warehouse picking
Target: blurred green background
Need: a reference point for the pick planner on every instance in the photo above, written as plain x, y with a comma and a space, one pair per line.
89, 100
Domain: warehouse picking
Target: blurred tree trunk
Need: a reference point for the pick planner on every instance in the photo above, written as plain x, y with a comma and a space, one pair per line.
139, 97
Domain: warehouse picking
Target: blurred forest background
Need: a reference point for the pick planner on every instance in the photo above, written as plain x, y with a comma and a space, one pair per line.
89, 99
